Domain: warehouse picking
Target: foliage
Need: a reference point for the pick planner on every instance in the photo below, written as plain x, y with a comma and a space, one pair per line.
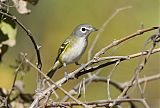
8, 29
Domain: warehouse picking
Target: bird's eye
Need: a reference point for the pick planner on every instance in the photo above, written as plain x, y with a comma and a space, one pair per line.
83, 29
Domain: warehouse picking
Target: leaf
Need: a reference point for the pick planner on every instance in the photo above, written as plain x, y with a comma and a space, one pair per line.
2, 0
8, 33
21, 6
33, 2
3, 50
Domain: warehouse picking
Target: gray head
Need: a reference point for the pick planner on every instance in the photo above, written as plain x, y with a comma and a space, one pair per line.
83, 30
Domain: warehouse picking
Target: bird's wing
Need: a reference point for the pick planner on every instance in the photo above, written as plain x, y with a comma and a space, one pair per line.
62, 48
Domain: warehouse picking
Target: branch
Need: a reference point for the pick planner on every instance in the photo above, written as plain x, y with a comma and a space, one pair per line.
102, 29
71, 75
39, 64
14, 80
124, 58
138, 69
36, 47
117, 42
119, 86
99, 103
58, 86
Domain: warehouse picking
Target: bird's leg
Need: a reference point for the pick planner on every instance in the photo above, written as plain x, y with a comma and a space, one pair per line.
65, 71
80, 64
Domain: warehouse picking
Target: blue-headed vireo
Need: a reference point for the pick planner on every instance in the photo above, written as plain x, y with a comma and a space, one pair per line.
73, 47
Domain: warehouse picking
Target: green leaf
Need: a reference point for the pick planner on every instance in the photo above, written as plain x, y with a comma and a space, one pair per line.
8, 33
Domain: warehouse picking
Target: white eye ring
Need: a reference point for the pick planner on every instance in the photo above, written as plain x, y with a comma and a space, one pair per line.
83, 29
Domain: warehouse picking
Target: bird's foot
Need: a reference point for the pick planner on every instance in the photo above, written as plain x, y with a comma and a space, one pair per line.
81, 65
66, 76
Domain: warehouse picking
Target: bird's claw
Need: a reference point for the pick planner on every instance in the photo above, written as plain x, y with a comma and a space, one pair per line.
83, 66
66, 75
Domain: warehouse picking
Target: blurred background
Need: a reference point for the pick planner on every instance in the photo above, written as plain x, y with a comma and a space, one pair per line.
51, 21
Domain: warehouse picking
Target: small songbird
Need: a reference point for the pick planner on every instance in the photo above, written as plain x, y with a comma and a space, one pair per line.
72, 48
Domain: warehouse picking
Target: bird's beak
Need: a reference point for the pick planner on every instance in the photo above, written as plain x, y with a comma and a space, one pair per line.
94, 29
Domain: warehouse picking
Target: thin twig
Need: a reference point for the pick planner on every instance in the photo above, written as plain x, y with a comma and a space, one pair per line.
36, 47
70, 75
137, 72
13, 84
126, 38
15, 77
109, 78
59, 87
100, 31
80, 71
119, 86
145, 104
39, 65
92, 69
99, 103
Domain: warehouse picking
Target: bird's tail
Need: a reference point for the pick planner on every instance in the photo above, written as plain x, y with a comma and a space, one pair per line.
56, 66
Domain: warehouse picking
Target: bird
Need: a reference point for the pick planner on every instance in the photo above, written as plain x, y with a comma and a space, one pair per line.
73, 47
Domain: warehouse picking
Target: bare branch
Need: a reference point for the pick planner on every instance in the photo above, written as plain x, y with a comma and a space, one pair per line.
102, 29
124, 58
71, 75
99, 103
50, 91
119, 86
36, 47
39, 65
117, 42
137, 71
43, 95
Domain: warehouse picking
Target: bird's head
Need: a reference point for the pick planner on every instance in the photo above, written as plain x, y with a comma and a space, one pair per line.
83, 30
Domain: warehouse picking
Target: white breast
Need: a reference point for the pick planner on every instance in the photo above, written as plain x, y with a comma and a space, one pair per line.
73, 54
